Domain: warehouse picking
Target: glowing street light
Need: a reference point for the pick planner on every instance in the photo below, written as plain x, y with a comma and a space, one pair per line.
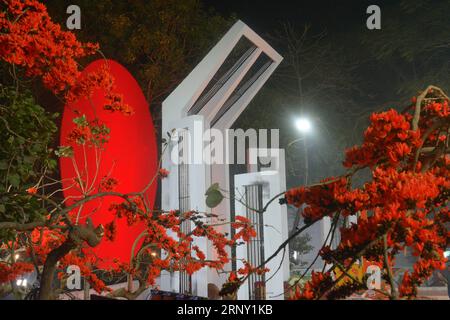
22, 282
303, 125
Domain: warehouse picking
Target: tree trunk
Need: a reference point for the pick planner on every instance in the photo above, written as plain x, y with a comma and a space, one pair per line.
77, 236
46, 289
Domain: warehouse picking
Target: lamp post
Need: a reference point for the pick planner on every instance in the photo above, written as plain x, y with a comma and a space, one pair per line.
304, 126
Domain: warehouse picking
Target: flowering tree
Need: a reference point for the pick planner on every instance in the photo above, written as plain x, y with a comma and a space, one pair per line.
404, 204
45, 228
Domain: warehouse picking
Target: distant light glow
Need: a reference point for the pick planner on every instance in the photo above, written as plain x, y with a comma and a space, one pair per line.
21, 282
16, 257
446, 254
303, 125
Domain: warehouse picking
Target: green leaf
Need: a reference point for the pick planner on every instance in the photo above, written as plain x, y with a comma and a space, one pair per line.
14, 179
81, 121
213, 196
28, 159
52, 164
214, 186
3, 165
64, 151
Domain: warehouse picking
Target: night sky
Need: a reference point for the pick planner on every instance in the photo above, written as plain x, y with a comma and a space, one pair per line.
334, 16
344, 23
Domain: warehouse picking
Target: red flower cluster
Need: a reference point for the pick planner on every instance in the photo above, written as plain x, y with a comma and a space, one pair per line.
111, 231
244, 228
248, 268
29, 38
79, 135
101, 79
170, 220
44, 241
315, 288
388, 138
91, 133
200, 254
405, 202
11, 272
32, 190
133, 211
163, 173
181, 253
85, 265
438, 108
322, 200
108, 184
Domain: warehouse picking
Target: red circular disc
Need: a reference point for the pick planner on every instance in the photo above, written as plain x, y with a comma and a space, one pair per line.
130, 157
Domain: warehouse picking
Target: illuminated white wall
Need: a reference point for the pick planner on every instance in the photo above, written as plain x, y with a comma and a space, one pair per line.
175, 114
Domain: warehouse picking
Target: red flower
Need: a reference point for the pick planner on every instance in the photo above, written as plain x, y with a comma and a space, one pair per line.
200, 254
111, 231
11, 272
32, 190
245, 230
108, 184
163, 173
31, 40
79, 135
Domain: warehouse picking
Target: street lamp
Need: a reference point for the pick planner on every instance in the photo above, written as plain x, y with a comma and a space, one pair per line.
303, 125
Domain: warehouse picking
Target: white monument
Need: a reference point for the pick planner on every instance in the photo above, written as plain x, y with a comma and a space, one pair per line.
213, 96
